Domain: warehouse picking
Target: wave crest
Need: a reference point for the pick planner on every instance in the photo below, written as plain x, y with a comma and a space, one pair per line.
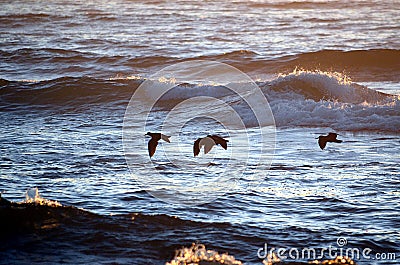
301, 98
319, 85
315, 99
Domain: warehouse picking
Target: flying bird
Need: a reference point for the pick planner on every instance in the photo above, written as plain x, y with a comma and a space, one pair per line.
331, 137
208, 142
155, 137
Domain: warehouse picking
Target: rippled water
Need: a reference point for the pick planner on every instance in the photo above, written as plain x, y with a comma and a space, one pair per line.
69, 69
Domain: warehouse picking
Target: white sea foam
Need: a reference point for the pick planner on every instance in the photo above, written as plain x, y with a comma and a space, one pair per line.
32, 196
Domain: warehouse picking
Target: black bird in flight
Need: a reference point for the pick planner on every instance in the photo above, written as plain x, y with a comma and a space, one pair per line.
208, 142
155, 137
331, 137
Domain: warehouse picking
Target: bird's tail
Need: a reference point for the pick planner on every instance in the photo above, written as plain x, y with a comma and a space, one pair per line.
165, 138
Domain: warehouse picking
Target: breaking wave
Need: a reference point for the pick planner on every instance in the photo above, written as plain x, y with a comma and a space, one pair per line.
331, 100
301, 98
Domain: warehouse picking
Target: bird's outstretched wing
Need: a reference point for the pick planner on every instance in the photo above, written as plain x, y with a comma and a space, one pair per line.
152, 147
322, 143
165, 137
332, 138
219, 140
196, 147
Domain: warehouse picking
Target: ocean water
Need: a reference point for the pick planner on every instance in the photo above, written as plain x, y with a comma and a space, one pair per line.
81, 82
